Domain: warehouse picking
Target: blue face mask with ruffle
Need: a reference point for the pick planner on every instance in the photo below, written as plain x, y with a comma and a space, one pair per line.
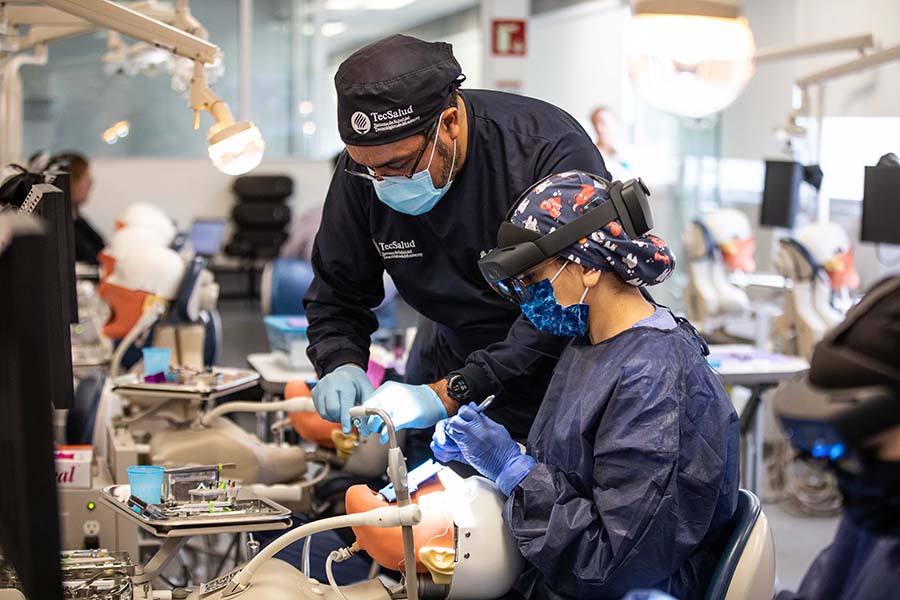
550, 316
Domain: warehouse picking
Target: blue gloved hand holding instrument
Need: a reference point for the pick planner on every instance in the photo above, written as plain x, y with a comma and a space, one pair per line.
474, 439
442, 446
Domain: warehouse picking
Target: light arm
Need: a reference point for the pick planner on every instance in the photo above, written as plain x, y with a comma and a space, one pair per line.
856, 42
107, 14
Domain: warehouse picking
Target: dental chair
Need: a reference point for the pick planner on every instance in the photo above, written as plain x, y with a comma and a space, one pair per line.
746, 570
194, 313
819, 263
152, 291
716, 244
282, 287
284, 283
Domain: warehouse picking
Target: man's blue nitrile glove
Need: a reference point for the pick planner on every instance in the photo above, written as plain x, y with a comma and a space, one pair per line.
488, 447
339, 391
442, 446
409, 406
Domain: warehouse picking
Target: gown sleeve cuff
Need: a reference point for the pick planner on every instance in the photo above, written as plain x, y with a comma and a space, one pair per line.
339, 358
514, 472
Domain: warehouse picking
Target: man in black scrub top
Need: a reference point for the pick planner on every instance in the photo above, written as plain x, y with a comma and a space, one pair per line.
429, 173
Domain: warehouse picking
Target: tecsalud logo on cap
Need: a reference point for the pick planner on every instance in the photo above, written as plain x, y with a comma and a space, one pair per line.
360, 123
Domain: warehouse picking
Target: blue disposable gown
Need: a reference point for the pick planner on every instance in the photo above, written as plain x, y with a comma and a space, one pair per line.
637, 447
858, 565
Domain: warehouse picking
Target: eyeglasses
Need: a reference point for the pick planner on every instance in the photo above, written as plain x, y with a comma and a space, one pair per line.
370, 174
515, 289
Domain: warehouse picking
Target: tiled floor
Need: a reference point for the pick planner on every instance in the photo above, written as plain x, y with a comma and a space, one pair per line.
798, 540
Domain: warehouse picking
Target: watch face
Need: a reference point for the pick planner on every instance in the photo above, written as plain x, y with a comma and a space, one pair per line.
458, 388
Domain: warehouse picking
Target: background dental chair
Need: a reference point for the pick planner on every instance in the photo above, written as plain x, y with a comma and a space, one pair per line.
284, 283
801, 325
194, 312
190, 328
819, 263
710, 297
746, 570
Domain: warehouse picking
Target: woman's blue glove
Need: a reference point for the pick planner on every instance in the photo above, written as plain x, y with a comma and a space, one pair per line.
485, 445
339, 391
442, 446
409, 406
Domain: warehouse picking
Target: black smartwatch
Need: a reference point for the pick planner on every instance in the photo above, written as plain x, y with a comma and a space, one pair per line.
458, 389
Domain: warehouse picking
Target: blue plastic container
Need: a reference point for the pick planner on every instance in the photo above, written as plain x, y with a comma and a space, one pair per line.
156, 360
287, 334
146, 482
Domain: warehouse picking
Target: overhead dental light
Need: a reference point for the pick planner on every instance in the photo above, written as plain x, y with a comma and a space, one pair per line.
235, 147
690, 58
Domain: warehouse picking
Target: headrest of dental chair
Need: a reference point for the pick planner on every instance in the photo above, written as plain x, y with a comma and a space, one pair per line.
212, 340
284, 283
707, 239
185, 307
179, 241
805, 254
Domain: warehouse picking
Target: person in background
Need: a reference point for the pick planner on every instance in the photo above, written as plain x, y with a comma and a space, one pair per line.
606, 129
630, 474
855, 407
88, 241
305, 226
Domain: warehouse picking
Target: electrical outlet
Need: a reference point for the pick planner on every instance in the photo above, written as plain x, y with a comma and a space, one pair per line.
91, 528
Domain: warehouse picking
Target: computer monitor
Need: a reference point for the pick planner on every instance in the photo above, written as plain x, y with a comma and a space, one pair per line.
881, 205
58, 211
206, 236
29, 529
54, 209
781, 193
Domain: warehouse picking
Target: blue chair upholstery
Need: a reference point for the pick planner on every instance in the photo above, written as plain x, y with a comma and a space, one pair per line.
290, 278
742, 523
212, 342
179, 312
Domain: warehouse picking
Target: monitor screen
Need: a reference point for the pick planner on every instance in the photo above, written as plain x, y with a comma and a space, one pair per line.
206, 236
29, 531
781, 193
881, 204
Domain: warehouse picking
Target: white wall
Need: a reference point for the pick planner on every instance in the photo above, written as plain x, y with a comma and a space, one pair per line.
187, 189
576, 59
748, 125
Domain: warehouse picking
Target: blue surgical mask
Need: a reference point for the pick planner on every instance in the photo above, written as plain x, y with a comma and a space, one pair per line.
415, 195
549, 316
